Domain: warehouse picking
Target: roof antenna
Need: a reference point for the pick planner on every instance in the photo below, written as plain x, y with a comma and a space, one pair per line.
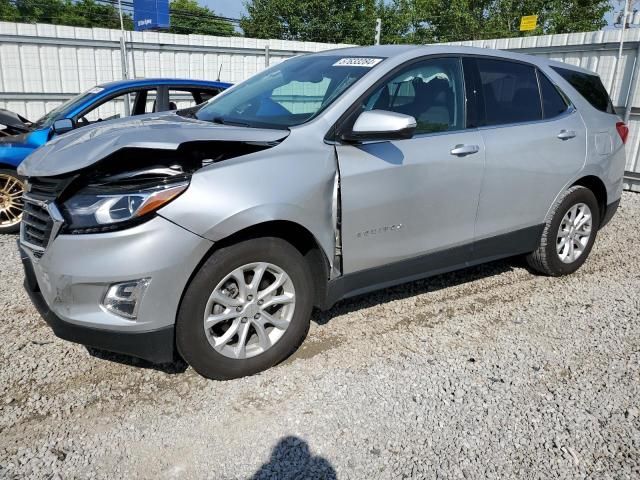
219, 71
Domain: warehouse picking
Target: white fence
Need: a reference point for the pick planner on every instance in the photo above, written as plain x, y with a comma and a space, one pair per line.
42, 65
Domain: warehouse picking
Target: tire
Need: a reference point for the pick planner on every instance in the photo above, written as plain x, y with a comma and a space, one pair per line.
194, 341
547, 259
11, 190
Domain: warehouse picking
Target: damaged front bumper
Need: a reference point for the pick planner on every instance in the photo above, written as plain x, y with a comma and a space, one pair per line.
68, 284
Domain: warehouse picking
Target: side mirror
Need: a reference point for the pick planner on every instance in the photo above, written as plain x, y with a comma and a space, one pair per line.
63, 125
382, 125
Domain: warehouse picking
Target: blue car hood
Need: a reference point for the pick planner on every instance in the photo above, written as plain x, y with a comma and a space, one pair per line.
164, 131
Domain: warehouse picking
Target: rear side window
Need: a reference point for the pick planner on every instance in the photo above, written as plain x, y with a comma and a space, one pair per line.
590, 87
510, 92
553, 103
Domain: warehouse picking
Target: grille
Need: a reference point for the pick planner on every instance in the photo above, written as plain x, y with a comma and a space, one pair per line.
46, 189
37, 224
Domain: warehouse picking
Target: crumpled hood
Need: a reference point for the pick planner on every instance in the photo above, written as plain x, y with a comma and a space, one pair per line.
164, 131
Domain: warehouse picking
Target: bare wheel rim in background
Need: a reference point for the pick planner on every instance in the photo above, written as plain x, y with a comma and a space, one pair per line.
11, 190
574, 233
249, 310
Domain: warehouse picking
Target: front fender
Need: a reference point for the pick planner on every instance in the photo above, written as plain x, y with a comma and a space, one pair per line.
285, 183
268, 213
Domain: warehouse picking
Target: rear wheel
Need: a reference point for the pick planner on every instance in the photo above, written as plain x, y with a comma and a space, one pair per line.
246, 309
11, 191
569, 233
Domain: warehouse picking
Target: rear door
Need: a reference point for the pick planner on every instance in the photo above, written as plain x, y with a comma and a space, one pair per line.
535, 143
403, 199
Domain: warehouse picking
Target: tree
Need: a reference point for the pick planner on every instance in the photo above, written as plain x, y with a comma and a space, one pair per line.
422, 21
82, 13
189, 17
333, 21
8, 11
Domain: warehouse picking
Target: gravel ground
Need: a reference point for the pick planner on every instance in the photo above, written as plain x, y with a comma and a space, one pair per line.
489, 372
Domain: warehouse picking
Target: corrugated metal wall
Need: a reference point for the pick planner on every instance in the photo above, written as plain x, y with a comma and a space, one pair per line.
42, 65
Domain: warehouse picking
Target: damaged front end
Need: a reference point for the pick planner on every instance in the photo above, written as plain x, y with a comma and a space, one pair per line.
113, 196
124, 188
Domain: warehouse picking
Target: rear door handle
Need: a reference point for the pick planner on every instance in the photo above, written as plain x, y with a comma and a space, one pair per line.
566, 134
462, 150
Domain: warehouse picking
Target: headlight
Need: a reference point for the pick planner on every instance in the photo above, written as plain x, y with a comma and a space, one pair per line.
101, 209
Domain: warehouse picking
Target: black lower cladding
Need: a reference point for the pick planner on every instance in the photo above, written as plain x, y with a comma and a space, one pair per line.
481, 251
156, 346
609, 213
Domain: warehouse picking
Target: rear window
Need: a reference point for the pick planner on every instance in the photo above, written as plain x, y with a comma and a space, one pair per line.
510, 92
590, 87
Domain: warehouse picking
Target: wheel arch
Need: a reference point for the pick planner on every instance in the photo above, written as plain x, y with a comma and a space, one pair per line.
295, 234
8, 166
597, 187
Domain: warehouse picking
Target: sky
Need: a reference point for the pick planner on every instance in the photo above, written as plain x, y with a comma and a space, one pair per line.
225, 8
235, 8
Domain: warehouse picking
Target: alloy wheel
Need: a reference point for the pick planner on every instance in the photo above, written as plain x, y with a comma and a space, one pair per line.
249, 310
574, 233
11, 191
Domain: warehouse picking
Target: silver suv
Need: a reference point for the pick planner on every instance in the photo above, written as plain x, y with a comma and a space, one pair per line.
213, 232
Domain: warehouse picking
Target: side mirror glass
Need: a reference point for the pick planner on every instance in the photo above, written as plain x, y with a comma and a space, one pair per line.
382, 125
63, 125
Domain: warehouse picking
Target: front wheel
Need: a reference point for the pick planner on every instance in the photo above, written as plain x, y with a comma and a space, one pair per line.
568, 234
11, 191
246, 309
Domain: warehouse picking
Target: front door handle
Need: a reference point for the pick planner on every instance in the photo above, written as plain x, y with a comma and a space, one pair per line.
462, 150
566, 134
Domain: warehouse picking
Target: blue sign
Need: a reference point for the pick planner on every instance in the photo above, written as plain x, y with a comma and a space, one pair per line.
150, 14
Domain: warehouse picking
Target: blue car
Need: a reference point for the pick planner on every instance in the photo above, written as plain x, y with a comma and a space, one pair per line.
19, 137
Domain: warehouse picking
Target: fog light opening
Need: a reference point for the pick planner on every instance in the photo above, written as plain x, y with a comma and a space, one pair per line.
123, 299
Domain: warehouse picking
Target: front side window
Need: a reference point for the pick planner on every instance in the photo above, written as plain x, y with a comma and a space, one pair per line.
510, 92
431, 91
140, 102
288, 94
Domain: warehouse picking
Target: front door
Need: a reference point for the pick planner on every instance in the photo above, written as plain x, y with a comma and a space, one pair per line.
409, 198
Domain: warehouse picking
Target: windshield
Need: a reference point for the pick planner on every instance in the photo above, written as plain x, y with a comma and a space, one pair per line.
48, 119
288, 94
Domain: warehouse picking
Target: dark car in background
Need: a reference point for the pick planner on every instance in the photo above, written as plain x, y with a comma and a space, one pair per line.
19, 137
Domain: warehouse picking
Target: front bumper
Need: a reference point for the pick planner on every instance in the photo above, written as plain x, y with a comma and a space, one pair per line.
67, 286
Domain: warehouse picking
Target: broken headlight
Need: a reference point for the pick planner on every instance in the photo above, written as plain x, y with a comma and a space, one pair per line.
105, 208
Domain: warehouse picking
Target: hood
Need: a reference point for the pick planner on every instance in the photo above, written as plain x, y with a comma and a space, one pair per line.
165, 131
14, 123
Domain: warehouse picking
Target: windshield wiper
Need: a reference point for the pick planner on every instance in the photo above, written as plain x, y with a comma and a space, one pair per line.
225, 121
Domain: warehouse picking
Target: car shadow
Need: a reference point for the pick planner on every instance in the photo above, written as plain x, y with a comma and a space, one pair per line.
418, 287
173, 368
291, 459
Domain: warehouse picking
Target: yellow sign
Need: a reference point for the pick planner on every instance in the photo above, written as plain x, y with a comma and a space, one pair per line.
528, 23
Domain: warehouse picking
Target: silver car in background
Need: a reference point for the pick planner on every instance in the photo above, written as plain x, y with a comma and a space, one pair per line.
214, 231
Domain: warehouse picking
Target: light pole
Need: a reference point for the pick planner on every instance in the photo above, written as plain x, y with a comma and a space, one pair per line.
124, 61
627, 6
